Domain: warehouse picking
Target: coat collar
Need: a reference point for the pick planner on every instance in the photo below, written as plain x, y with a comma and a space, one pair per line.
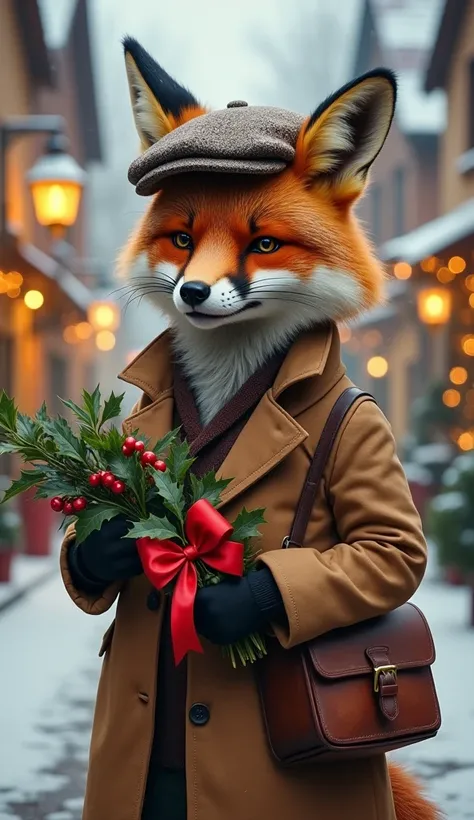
272, 431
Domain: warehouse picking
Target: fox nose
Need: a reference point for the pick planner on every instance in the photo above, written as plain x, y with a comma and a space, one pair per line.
194, 293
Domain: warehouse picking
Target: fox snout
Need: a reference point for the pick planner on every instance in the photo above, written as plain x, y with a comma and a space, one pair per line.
194, 293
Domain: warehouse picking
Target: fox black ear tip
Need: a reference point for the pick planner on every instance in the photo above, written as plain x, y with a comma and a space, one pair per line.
129, 44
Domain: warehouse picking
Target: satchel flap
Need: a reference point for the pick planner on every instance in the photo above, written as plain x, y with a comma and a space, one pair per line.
404, 633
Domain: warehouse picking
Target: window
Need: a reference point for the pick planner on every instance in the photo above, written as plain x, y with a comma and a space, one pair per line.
58, 384
470, 106
398, 201
376, 216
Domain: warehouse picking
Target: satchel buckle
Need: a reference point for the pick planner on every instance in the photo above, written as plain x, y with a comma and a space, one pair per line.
379, 670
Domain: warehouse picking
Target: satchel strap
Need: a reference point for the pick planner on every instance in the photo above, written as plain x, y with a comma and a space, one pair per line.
319, 462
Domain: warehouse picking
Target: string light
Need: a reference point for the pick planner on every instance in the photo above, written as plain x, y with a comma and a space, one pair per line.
70, 336
456, 264
402, 270
451, 398
467, 344
377, 367
429, 264
444, 275
466, 441
33, 299
84, 330
458, 375
471, 300
470, 282
105, 340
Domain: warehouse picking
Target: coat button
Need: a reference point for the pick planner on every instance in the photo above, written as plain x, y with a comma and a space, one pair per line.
153, 601
199, 714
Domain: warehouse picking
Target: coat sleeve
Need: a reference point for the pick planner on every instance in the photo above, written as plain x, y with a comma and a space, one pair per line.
381, 558
91, 603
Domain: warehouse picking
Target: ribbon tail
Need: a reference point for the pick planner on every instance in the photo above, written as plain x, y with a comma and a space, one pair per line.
183, 631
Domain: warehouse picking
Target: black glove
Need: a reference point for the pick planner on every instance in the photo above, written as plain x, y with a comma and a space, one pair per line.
227, 612
104, 557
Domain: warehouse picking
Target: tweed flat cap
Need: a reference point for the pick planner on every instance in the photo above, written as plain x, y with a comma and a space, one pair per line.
239, 139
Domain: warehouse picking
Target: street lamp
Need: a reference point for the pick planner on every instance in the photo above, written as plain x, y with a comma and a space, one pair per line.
56, 180
434, 306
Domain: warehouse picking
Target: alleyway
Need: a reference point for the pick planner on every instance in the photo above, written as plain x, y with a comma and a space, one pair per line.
49, 673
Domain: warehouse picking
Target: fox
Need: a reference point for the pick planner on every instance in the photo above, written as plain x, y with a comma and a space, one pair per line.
241, 264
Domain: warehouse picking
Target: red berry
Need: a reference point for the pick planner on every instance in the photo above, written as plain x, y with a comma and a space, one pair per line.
129, 443
127, 451
108, 479
148, 457
79, 503
118, 487
139, 446
160, 465
95, 480
68, 509
57, 504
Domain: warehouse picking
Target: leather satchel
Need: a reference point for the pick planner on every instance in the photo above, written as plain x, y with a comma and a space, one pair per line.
356, 691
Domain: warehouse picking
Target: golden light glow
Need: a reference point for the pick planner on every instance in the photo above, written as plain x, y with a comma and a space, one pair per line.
33, 299
429, 264
451, 398
402, 270
13, 292
470, 282
104, 316
344, 334
84, 330
105, 340
3, 283
377, 367
458, 375
70, 336
434, 306
14, 279
471, 299
466, 441
444, 275
457, 264
467, 344
56, 203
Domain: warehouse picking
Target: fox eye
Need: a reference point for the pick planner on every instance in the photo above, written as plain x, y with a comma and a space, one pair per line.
266, 244
182, 241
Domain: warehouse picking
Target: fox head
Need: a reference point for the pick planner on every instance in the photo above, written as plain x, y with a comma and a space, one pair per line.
237, 255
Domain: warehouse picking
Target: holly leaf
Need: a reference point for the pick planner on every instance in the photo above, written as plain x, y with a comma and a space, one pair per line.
171, 493
42, 413
178, 461
153, 527
5, 447
79, 412
8, 412
92, 519
247, 523
112, 408
130, 471
56, 486
28, 479
26, 427
208, 487
67, 443
163, 444
92, 405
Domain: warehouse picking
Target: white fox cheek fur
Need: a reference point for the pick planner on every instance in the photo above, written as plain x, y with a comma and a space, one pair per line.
222, 350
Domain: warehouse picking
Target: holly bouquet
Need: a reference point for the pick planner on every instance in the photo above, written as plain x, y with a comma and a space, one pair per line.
95, 473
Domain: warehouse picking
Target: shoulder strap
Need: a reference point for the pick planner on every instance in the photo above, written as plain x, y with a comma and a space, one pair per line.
318, 464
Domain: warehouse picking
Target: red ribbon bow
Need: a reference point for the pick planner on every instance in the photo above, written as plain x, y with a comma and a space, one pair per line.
207, 532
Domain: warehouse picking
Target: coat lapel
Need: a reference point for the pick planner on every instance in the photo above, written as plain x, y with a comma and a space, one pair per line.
271, 432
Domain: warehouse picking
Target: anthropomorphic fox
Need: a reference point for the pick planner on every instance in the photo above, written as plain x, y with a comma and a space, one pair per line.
251, 248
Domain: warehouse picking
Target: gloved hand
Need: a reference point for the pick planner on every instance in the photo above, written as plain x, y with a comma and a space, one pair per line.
227, 612
105, 556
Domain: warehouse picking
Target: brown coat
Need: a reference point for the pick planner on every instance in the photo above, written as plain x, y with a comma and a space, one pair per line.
372, 563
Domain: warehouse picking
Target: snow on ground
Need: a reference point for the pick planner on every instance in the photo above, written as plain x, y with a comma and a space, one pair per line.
48, 678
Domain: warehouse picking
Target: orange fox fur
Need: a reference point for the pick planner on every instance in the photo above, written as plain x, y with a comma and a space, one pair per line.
308, 208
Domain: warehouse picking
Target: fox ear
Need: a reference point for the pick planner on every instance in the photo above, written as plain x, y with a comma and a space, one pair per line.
159, 103
340, 141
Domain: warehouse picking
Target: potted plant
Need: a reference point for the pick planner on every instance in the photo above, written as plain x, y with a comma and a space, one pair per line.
451, 521
9, 530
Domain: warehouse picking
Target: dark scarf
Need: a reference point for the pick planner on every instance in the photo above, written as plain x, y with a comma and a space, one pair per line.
210, 446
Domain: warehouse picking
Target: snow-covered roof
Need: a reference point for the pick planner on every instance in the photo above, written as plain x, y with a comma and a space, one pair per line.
417, 111
433, 236
56, 16
406, 30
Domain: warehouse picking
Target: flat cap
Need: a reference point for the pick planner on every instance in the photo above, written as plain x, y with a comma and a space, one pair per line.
239, 139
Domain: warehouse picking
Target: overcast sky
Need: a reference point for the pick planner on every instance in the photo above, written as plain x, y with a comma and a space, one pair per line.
265, 51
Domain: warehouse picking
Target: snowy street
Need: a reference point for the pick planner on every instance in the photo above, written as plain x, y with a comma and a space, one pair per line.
49, 674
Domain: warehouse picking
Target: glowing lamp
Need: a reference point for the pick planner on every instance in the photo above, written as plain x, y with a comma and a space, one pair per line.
104, 316
33, 299
56, 182
377, 367
434, 306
